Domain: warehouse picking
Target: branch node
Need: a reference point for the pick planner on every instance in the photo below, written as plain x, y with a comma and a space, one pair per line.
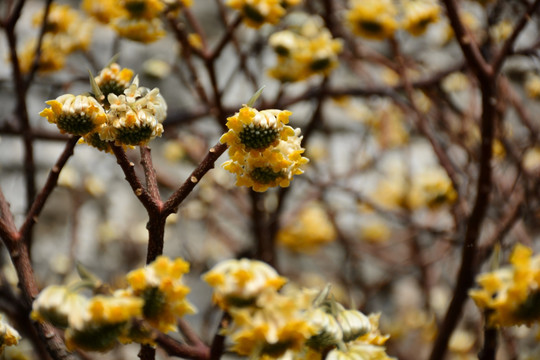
194, 179
139, 192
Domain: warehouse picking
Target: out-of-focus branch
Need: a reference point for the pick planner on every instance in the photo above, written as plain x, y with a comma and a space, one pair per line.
47, 189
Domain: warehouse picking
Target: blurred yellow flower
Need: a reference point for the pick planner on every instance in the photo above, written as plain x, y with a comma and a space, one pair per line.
238, 283
510, 294
8, 335
259, 12
308, 231
372, 19
419, 14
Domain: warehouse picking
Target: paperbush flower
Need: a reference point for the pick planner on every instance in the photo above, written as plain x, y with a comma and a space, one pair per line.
113, 79
308, 231
264, 152
259, 12
419, 14
77, 115
305, 51
118, 112
238, 283
510, 295
431, 188
56, 304
276, 324
65, 32
372, 19
8, 335
161, 287
102, 322
102, 10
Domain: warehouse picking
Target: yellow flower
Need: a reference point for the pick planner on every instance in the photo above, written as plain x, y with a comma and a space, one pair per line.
372, 19
77, 115
8, 335
102, 321
278, 323
510, 294
102, 10
57, 304
264, 152
309, 230
139, 29
238, 283
113, 79
60, 19
161, 287
432, 188
307, 51
52, 57
419, 14
259, 12
532, 86
134, 117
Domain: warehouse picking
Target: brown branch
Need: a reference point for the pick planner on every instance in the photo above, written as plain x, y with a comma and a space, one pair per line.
150, 173
466, 41
174, 348
138, 189
50, 184
467, 268
171, 205
508, 45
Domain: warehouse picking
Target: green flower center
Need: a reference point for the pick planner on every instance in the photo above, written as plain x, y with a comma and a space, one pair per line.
134, 136
112, 87
265, 175
258, 137
253, 14
136, 8
154, 302
97, 338
320, 64
276, 349
94, 140
282, 50
370, 26
530, 309
76, 124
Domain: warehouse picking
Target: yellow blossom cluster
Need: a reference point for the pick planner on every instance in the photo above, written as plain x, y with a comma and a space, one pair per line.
161, 286
256, 13
137, 20
66, 31
431, 188
304, 51
8, 335
155, 298
264, 152
308, 231
379, 19
119, 112
510, 295
271, 322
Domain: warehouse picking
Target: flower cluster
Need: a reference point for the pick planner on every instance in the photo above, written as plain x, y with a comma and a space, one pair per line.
137, 20
273, 323
119, 112
155, 298
8, 335
510, 295
378, 19
160, 285
264, 151
304, 51
65, 32
259, 12
309, 230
